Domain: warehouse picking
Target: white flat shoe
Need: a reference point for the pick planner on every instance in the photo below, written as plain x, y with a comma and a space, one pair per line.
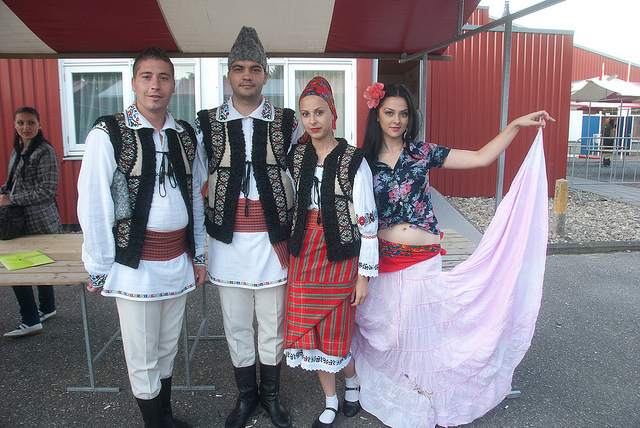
44, 317
24, 330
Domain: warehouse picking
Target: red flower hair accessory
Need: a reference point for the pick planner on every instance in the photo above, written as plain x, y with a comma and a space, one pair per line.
373, 94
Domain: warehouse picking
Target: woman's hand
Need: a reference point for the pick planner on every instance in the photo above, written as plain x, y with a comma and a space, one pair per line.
5, 200
360, 292
537, 118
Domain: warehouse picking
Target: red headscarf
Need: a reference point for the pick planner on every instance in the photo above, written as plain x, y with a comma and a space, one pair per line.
320, 87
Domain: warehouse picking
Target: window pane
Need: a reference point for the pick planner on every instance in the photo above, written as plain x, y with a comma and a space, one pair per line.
336, 80
94, 95
183, 101
273, 90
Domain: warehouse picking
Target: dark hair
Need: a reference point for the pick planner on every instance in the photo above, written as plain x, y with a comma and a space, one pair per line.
39, 138
153, 52
373, 136
27, 109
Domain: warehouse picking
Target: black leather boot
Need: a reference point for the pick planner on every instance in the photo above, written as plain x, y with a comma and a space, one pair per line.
247, 399
151, 412
165, 399
269, 388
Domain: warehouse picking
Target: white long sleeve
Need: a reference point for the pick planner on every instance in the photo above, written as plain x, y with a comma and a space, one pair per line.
95, 204
365, 206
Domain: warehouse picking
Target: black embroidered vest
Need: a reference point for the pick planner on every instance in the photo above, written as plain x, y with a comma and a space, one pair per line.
339, 221
224, 143
135, 155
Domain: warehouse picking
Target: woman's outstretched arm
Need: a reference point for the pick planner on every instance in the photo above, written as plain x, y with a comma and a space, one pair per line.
468, 159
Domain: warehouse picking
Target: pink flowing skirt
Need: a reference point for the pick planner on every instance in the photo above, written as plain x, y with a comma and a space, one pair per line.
434, 347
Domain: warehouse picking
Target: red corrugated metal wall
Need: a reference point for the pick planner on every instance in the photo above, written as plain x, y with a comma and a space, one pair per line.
463, 106
463, 102
587, 64
34, 82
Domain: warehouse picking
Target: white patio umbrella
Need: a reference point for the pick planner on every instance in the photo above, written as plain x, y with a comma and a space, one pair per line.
609, 88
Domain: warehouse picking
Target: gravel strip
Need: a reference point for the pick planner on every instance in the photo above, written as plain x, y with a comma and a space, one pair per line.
590, 217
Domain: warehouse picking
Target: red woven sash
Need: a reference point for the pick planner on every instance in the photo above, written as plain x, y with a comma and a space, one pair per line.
163, 246
313, 220
250, 219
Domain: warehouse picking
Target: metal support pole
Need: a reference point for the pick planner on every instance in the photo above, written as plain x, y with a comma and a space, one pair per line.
90, 360
504, 106
423, 96
374, 71
460, 17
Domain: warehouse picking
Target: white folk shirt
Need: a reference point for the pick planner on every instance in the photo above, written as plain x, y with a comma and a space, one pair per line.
249, 261
152, 280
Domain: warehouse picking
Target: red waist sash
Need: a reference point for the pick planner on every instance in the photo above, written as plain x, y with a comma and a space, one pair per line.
250, 218
313, 220
395, 257
163, 246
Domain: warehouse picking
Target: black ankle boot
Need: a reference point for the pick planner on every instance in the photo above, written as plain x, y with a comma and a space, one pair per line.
269, 388
151, 412
165, 400
247, 399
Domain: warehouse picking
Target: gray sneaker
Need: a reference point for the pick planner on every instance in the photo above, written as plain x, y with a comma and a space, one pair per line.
44, 317
24, 330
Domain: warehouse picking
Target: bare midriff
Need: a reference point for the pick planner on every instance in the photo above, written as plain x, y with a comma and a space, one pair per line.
404, 233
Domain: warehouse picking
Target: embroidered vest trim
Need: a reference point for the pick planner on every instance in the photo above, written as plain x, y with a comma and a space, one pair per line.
134, 152
339, 220
224, 143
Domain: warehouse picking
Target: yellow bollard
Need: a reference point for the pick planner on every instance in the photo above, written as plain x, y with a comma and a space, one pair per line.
560, 207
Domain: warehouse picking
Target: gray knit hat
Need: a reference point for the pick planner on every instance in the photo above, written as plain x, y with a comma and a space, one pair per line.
248, 47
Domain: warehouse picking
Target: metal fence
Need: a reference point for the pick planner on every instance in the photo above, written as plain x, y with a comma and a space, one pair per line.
589, 158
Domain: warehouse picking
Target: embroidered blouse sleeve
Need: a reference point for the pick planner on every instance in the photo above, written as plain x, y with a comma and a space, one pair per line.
95, 205
367, 216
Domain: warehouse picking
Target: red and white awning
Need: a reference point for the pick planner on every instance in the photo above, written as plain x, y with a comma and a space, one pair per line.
357, 28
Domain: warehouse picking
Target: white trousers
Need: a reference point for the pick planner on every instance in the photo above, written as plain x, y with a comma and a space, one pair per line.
238, 308
150, 333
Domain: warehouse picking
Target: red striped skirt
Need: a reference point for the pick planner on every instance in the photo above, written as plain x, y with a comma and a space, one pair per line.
319, 313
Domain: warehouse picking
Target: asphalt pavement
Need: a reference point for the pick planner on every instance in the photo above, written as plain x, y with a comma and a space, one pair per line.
580, 371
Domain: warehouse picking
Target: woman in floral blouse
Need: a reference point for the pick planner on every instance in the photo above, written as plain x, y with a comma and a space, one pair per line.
412, 347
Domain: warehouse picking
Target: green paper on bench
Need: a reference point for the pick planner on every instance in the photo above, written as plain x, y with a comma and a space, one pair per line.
25, 260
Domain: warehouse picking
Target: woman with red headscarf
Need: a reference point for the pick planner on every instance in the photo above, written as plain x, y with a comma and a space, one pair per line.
333, 247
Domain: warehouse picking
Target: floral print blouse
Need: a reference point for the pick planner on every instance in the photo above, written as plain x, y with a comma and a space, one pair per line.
402, 193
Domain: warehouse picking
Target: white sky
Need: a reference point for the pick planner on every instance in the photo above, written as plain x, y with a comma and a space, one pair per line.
608, 26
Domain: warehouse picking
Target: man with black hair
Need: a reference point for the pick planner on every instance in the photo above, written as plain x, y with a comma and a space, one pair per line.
143, 228
248, 216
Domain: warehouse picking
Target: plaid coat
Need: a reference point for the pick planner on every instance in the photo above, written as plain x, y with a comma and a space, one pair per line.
35, 187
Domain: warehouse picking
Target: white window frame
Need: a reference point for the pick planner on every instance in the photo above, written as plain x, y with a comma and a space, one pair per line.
197, 68
208, 87
74, 149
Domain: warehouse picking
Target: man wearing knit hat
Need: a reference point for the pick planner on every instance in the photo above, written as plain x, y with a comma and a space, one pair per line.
248, 207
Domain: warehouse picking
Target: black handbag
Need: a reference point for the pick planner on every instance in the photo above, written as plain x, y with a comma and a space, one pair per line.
11, 221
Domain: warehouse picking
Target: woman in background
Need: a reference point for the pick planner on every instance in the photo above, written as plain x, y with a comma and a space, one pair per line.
32, 182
